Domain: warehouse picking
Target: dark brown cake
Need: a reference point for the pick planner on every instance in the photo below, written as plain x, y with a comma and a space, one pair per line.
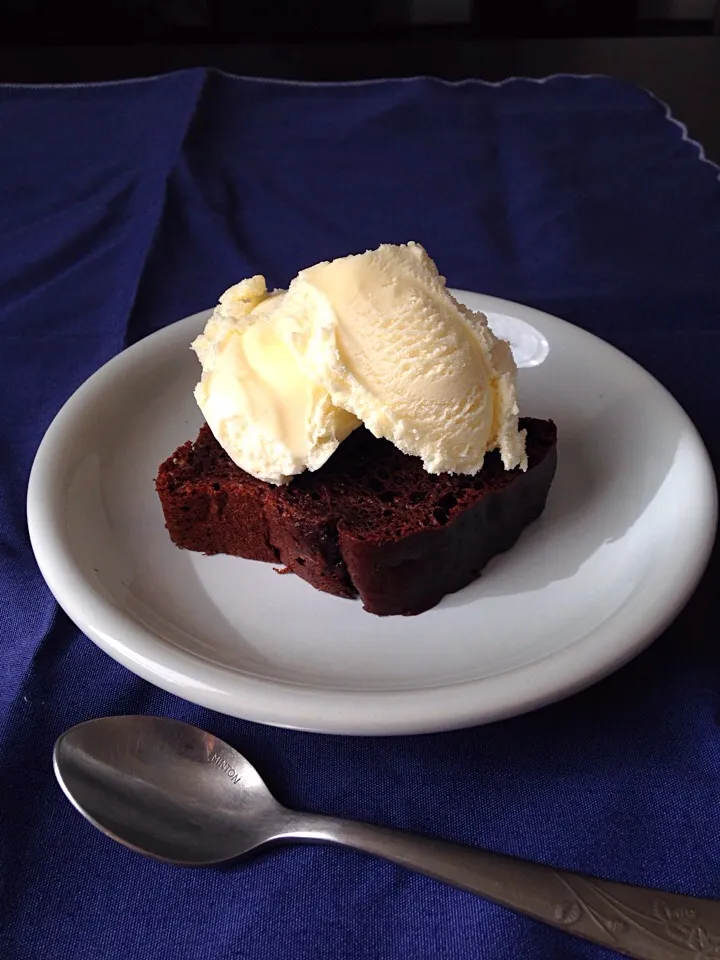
371, 521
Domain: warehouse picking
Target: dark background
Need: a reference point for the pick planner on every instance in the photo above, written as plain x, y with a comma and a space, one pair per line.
271, 21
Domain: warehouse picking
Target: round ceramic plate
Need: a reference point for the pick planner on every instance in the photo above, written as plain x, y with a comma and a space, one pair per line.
624, 539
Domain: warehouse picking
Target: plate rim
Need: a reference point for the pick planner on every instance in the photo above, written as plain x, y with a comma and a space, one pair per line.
334, 711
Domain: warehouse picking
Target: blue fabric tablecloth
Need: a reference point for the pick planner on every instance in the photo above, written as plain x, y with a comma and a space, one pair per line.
125, 207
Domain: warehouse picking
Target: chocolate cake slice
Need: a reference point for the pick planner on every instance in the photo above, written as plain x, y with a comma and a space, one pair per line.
371, 522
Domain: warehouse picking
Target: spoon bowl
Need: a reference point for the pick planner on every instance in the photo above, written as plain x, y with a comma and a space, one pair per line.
176, 793
166, 789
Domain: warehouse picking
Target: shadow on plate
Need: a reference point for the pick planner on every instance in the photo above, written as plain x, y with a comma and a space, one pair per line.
610, 468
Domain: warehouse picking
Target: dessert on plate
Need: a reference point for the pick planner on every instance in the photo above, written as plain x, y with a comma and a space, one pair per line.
362, 430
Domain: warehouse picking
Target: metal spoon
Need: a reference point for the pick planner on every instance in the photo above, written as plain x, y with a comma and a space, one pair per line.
176, 793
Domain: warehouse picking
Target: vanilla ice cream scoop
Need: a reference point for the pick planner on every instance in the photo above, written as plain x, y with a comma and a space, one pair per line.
270, 418
373, 338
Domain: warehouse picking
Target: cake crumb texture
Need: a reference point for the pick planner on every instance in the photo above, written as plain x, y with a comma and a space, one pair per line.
370, 522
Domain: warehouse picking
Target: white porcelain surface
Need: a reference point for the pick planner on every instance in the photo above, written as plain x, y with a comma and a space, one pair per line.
625, 536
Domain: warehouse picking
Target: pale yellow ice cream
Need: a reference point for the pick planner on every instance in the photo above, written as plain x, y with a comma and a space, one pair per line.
373, 338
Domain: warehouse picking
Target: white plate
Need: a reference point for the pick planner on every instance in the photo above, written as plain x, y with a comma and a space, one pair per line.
624, 539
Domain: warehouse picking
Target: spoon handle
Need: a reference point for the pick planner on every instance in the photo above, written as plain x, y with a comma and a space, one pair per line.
636, 921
